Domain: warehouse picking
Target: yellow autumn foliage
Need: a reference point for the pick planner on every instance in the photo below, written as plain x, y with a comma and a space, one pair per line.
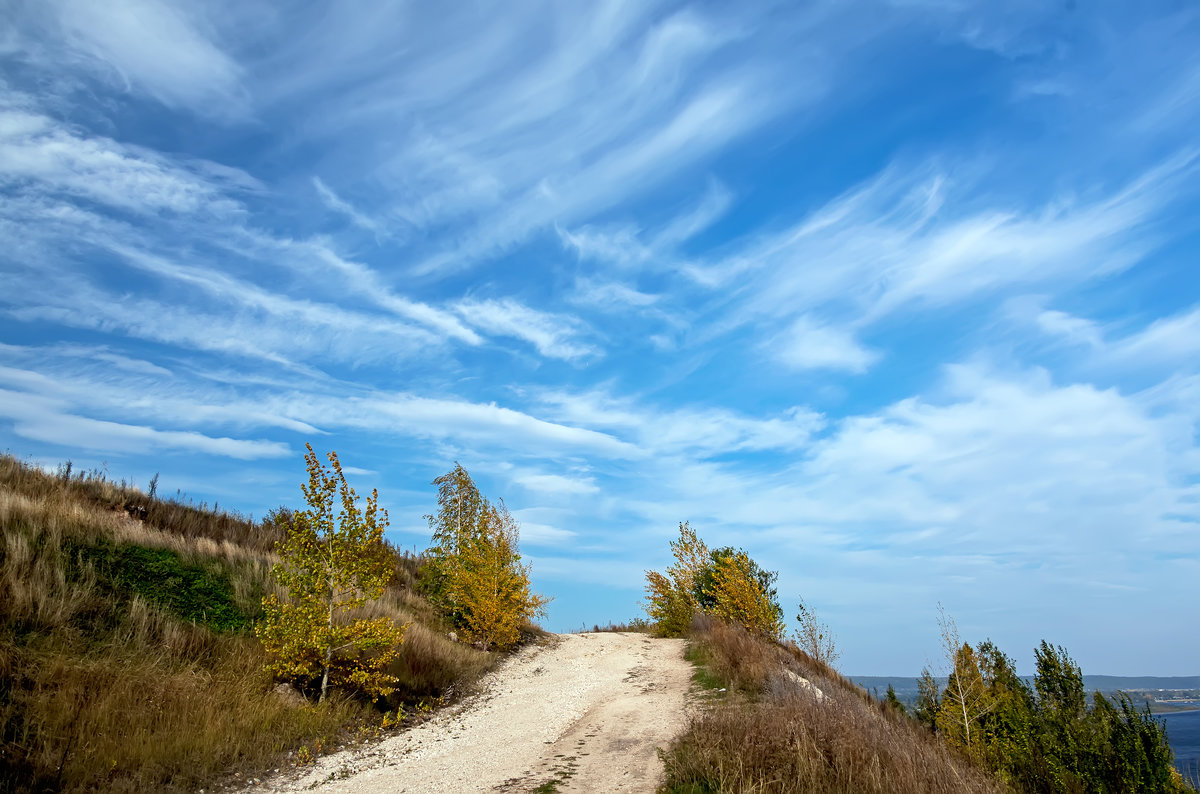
738, 596
475, 571
724, 583
667, 606
671, 599
332, 563
488, 583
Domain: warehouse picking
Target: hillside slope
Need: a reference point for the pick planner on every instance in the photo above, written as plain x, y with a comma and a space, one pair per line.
787, 723
127, 661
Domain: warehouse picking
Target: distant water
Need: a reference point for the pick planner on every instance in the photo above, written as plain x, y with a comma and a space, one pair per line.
1183, 732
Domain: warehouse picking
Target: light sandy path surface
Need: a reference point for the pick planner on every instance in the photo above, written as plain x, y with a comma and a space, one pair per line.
588, 710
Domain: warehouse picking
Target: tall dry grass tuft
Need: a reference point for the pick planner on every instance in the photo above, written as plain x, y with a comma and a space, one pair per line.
129, 718
94, 491
774, 735
126, 657
741, 660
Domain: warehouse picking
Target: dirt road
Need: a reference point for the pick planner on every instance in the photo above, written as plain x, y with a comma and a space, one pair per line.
588, 712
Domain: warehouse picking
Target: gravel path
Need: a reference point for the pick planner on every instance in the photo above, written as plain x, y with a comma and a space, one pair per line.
588, 711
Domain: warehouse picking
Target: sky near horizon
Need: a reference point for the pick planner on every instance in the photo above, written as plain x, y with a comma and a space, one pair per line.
901, 297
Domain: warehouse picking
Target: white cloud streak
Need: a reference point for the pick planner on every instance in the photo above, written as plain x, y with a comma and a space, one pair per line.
554, 336
1169, 339
699, 431
902, 239
556, 484
1074, 329
165, 50
341, 206
42, 422
62, 161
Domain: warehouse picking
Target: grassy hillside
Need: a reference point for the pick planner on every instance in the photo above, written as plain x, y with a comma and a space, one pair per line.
767, 732
127, 661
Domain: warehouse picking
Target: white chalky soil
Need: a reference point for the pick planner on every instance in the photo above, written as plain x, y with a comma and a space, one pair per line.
588, 710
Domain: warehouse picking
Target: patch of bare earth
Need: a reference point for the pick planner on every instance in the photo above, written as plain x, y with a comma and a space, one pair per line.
587, 712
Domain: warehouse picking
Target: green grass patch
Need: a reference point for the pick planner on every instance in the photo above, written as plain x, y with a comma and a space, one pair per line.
194, 592
703, 675
691, 788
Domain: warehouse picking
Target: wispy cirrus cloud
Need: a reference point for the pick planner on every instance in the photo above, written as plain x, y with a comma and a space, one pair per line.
49, 422
628, 246
169, 52
908, 237
40, 154
1164, 342
611, 295
38, 151
554, 484
1066, 326
554, 336
683, 429
638, 263
343, 207
309, 406
905, 241
666, 87
1168, 339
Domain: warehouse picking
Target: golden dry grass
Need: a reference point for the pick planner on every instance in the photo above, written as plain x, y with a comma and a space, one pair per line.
103, 688
769, 735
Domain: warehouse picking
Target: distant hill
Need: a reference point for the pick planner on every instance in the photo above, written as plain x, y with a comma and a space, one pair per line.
1112, 683
905, 685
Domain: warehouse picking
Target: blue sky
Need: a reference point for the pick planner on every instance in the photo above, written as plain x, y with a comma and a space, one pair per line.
904, 298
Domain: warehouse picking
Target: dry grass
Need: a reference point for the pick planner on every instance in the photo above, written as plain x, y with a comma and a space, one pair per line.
94, 492
771, 735
127, 720
113, 680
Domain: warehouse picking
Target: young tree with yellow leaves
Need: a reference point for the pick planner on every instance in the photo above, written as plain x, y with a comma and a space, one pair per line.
738, 591
725, 583
488, 583
474, 570
460, 510
332, 562
671, 600
967, 697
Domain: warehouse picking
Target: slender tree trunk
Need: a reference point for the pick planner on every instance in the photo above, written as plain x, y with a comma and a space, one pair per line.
328, 625
966, 719
328, 655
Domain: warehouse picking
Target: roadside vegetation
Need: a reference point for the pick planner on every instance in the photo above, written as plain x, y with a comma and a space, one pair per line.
1044, 735
634, 626
129, 659
333, 563
781, 719
770, 732
474, 571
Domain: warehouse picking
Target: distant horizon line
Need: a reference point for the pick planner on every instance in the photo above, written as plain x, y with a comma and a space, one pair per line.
1195, 677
